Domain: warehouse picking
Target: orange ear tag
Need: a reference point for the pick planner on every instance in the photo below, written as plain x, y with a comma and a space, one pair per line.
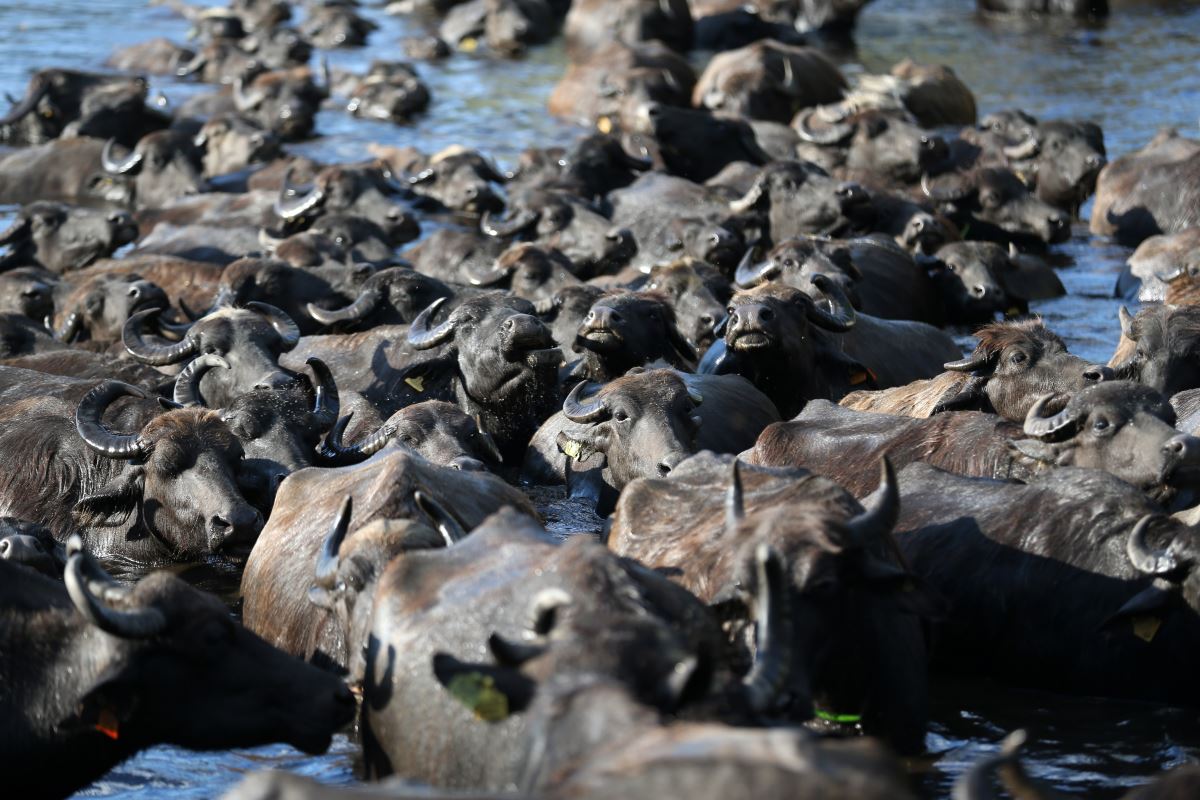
108, 724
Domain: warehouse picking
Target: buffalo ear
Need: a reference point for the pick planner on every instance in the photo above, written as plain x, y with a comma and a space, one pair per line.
1151, 603
109, 703
581, 445
968, 397
321, 597
1039, 451
111, 504
492, 693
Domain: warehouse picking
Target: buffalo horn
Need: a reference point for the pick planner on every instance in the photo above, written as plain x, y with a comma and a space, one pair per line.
187, 385
747, 273
450, 528
89, 421
289, 332
70, 327
959, 188
289, 206
975, 361
419, 334
735, 507
842, 317
363, 305
836, 132
119, 167
508, 227
881, 509
1049, 428
1027, 148
334, 449
1126, 322
37, 90
327, 560
153, 355
243, 101
748, 201
140, 624
1146, 559
326, 403
772, 652
576, 411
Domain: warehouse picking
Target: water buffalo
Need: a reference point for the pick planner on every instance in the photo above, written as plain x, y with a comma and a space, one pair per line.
1013, 364
996, 206
531, 271
767, 80
284, 101
978, 280
1149, 192
459, 180
157, 662
97, 308
291, 289
1158, 348
697, 292
250, 340
872, 144
801, 198
618, 75
589, 169
1164, 268
833, 553
695, 144
775, 336
393, 296
564, 312
167, 492
1123, 428
162, 168
558, 608
27, 291
65, 102
623, 330
592, 23
361, 191
277, 588
232, 142
19, 336
62, 238
590, 241
391, 90
438, 431
1064, 158
334, 26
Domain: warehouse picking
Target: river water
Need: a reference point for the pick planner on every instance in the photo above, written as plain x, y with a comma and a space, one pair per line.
1133, 74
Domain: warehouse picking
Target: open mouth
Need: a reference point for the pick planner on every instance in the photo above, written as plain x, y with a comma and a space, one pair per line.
600, 339
751, 340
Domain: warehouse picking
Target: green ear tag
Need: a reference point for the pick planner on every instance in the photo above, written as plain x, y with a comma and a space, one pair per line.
571, 448
417, 383
478, 692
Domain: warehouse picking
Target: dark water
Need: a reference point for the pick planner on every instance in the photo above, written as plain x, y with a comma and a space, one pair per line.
1132, 75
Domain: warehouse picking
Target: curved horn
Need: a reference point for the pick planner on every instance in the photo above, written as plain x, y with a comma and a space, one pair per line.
37, 90
835, 133
326, 569
1028, 148
89, 421
508, 227
576, 411
289, 332
193, 66
334, 449
153, 355
187, 385
772, 652
450, 528
363, 305
735, 506
1052, 428
1145, 558
635, 162
1126, 322
419, 334
746, 274
70, 327
881, 509
326, 403
494, 275
140, 624
243, 101
977, 360
842, 317
488, 443
122, 167
959, 189
748, 201
290, 207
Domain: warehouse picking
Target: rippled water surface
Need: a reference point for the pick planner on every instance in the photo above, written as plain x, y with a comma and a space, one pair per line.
1132, 75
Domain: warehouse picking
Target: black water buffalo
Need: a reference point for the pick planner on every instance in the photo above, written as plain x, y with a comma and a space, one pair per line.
695, 144
162, 168
361, 191
279, 427
435, 430
27, 291
1149, 192
62, 238
97, 308
589, 169
1121, 427
776, 337
767, 80
280, 570
166, 492
20, 335
390, 91
1159, 348
98, 670
532, 271
978, 280
800, 198
392, 296
507, 26
333, 26
460, 180
65, 102
1064, 158
250, 340
284, 101
618, 77
697, 292
564, 312
848, 611
623, 330
871, 144
291, 289
590, 241
1013, 364
993, 204
592, 23
643, 425
558, 608
1098, 585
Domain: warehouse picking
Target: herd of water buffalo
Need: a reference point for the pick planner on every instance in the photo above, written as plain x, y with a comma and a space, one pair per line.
719, 320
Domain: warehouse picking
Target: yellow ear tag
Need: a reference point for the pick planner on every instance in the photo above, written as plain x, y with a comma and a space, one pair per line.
604, 125
417, 383
108, 724
1012, 312
857, 378
478, 692
1146, 627
468, 45
571, 448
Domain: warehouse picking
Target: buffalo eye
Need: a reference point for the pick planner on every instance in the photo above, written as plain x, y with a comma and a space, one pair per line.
1100, 424
951, 267
789, 262
1018, 358
621, 416
989, 199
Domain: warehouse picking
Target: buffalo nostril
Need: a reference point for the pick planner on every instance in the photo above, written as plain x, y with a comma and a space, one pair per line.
1058, 222
1097, 373
1175, 447
509, 324
707, 320
5, 546
978, 291
919, 225
664, 469
471, 192
766, 314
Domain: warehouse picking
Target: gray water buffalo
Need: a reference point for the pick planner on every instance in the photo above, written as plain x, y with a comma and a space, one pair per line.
767, 80
62, 238
1149, 192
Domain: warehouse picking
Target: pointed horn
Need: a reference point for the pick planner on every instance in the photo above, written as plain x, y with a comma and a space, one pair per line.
140, 624
89, 422
735, 506
70, 327
751, 199
881, 509
326, 568
450, 528
956, 189
326, 403
187, 385
833, 134
508, 227
842, 317
289, 208
362, 306
123, 166
1028, 148
243, 101
576, 411
193, 66
1146, 559
1126, 322
336, 450
419, 334
748, 274
509, 653
37, 90
289, 332
768, 674
1053, 428
976, 361
153, 355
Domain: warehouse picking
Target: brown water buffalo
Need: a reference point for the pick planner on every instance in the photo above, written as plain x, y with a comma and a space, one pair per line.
873, 145
1151, 191
592, 23
623, 330
767, 80
435, 430
62, 238
998, 207
390, 91
1165, 265
162, 168
66, 102
1158, 348
601, 88
97, 308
